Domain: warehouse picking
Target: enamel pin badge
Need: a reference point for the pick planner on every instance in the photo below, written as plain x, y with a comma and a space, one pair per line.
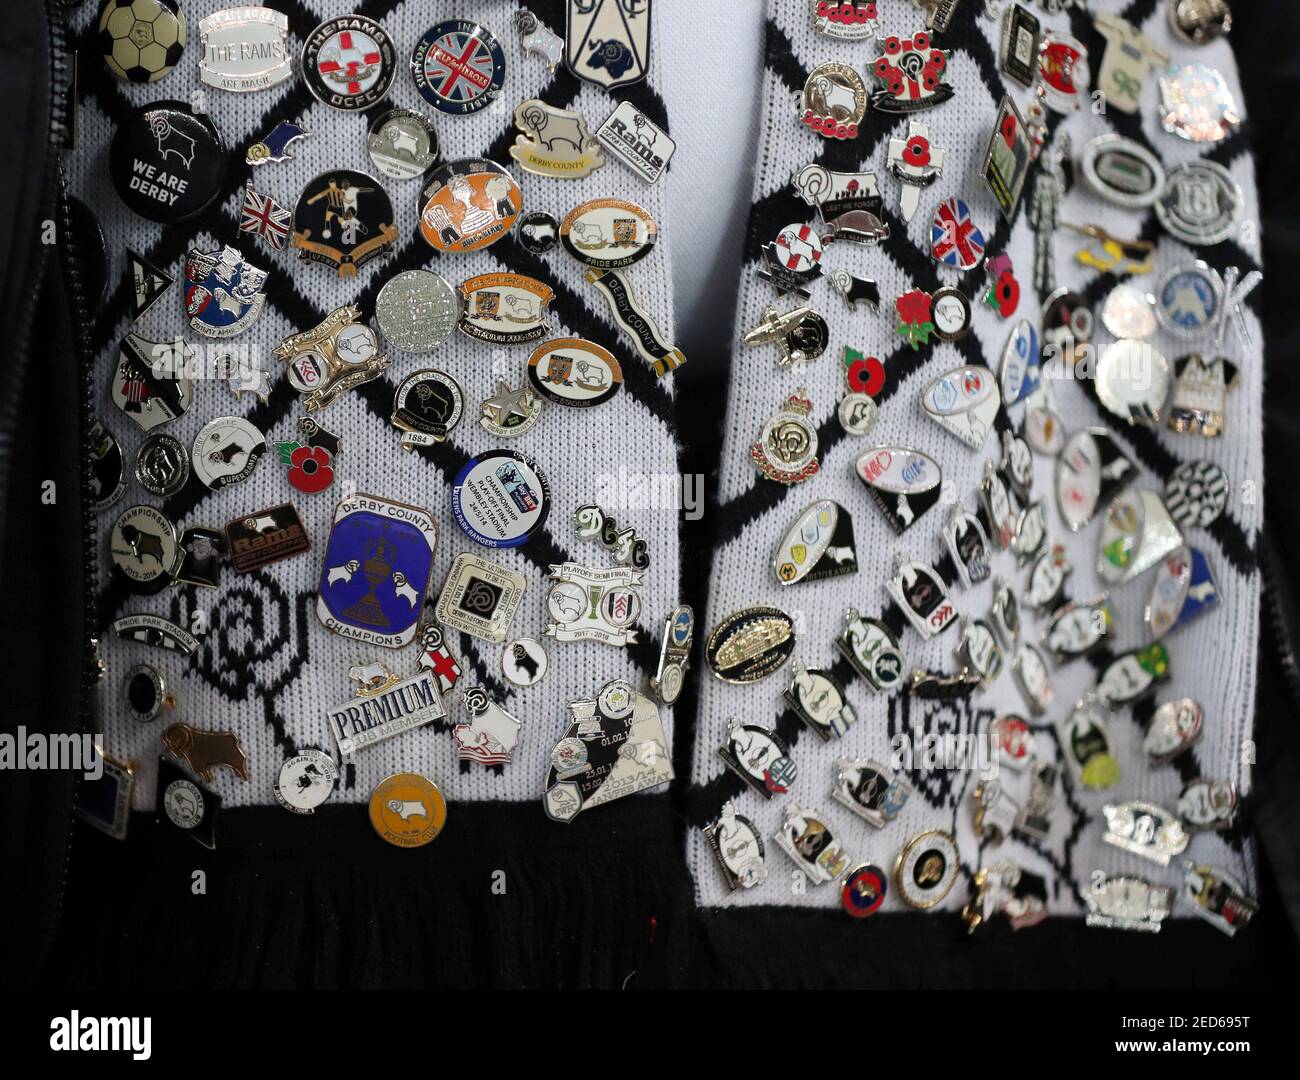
903, 483
480, 598
491, 735
635, 322
336, 356
834, 101
311, 456
554, 142
607, 42
738, 848
1133, 675
1087, 745
383, 706
792, 262
223, 292
504, 309
458, 66
1007, 160
468, 204
759, 757
1090, 470
624, 545
593, 604
786, 449
637, 141
1079, 628
538, 39
376, 571
964, 401
608, 234
1144, 829
808, 840
613, 746
1175, 727
850, 203
872, 648
148, 284
150, 382
818, 545
674, 655
968, 544
921, 594
916, 164
344, 219
911, 69
1182, 589
819, 701
955, 240
274, 146
846, 20
801, 334
871, 790
1136, 533
245, 48
750, 644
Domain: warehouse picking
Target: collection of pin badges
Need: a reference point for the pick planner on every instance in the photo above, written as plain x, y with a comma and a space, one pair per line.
169, 163
1141, 532
377, 574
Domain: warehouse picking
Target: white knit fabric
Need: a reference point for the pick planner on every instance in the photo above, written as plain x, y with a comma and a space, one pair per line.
1212, 660
267, 668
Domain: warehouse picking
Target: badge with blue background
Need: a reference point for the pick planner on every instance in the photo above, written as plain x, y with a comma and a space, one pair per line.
376, 571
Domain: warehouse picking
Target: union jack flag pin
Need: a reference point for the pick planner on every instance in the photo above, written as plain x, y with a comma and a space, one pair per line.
955, 239
265, 218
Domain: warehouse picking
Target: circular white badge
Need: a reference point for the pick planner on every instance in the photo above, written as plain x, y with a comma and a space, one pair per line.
226, 451
306, 780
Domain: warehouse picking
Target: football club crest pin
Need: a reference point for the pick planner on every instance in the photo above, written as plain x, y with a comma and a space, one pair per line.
162, 465
834, 101
1013, 741
916, 164
625, 546
1121, 171
306, 780
537, 231
143, 547
427, 405
274, 145
407, 810
738, 848
608, 234
332, 358
458, 66
637, 141
468, 205
107, 469
245, 48
382, 707
150, 382
1063, 76
593, 604
964, 401
1007, 889
264, 537
750, 644
1087, 745
185, 804
759, 757
921, 594
1200, 203
343, 220
402, 144
510, 411
792, 262
376, 571
1136, 533
203, 751
819, 701
148, 284
950, 312
911, 70
871, 790
810, 843
786, 449
613, 746
479, 598
223, 292
310, 457
349, 63
674, 655
1196, 493
575, 373
504, 309
607, 42
818, 545
978, 650
538, 39
903, 483
554, 142
854, 289
226, 451
872, 648
1182, 589
1131, 676
1032, 676
491, 735
863, 891
1047, 577
968, 544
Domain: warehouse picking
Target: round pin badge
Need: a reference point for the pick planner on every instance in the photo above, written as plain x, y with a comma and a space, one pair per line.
407, 810
1201, 203
1198, 22
524, 661
427, 406
162, 465
184, 804
144, 546
402, 144
349, 63
107, 468
501, 498
306, 780
146, 694
468, 204
1128, 313
950, 311
1196, 493
834, 101
1189, 300
574, 372
864, 891
608, 234
537, 231
141, 40
1132, 381
458, 66
927, 868
417, 310
1196, 104
343, 219
1063, 76
857, 413
226, 451
166, 162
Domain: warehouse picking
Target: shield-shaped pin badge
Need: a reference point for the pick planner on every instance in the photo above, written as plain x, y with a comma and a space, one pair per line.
607, 42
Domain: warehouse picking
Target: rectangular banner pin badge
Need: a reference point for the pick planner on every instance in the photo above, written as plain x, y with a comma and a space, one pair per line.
376, 571
383, 706
640, 328
637, 141
593, 605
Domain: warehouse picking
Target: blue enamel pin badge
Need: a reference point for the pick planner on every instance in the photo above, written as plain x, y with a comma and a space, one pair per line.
376, 570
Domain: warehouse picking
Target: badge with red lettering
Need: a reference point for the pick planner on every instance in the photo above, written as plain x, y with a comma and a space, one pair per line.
903, 483
920, 592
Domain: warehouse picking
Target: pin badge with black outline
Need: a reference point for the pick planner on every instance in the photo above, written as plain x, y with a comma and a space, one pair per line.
1018, 57
202, 551
151, 384
792, 262
1200, 396
305, 781
427, 406
376, 570
1031, 532
349, 63
458, 66
916, 164
344, 220
1182, 589
818, 545
402, 144
636, 323
148, 284
554, 142
1133, 675
607, 42
1088, 745
750, 644
226, 451
854, 289
759, 757
637, 141
999, 507
524, 662
501, 498
968, 544
674, 655
625, 546
1136, 533
1174, 728
310, 457
143, 546
609, 234
811, 844
951, 313
801, 334
833, 102
185, 804
863, 891
921, 594
468, 205
818, 699
737, 847
480, 598
875, 792
927, 868
1079, 628
491, 735
903, 483
613, 746
162, 465
873, 650
537, 231
786, 448
574, 372
332, 358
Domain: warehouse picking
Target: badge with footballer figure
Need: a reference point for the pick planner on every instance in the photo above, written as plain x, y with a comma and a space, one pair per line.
736, 845
343, 220
871, 790
151, 382
607, 42
818, 545
808, 840
468, 205
920, 592
872, 648
819, 701
903, 483
376, 571
349, 62
458, 66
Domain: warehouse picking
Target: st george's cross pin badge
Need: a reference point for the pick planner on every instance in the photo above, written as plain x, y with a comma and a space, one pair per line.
376, 571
